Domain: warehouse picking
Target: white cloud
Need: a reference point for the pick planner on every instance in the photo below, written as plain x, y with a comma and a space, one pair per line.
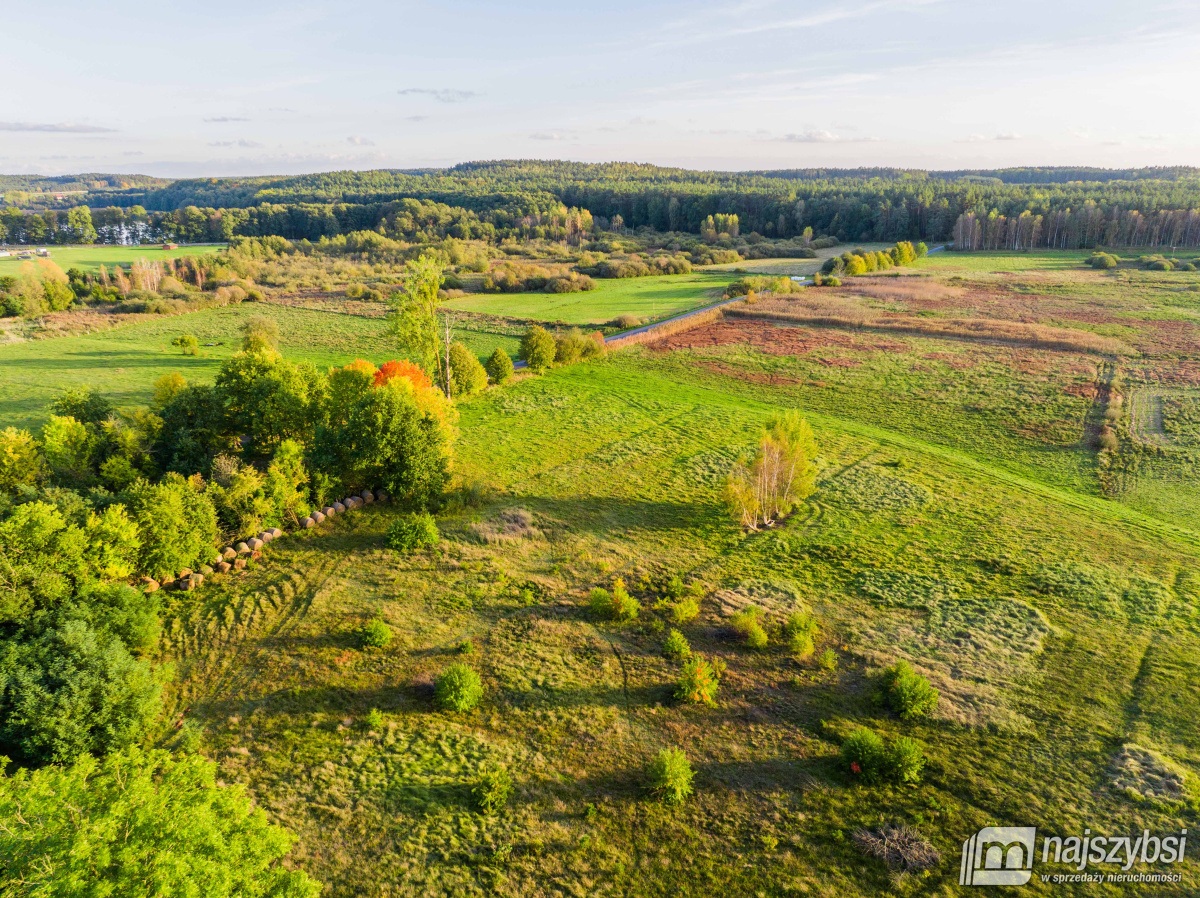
243, 142
442, 95
227, 118
56, 128
359, 141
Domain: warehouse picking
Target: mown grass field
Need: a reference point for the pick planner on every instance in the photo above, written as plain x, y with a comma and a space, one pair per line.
125, 361
651, 298
90, 258
963, 520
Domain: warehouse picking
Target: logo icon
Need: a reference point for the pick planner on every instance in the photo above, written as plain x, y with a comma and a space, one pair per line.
998, 856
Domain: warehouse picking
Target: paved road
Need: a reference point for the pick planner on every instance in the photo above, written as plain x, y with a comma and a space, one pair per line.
646, 327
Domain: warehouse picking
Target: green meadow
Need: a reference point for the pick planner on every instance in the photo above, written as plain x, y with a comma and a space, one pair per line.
986, 510
90, 258
651, 298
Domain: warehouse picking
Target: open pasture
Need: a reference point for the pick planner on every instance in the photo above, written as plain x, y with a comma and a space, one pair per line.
90, 258
650, 298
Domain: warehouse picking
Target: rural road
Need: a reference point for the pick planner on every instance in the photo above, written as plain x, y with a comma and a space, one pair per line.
807, 282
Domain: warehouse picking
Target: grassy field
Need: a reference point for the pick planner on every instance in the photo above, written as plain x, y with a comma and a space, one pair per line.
651, 298
125, 361
965, 519
90, 258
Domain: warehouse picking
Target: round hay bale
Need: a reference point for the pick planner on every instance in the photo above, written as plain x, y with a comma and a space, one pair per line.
224, 567
275, 532
307, 523
367, 496
242, 549
318, 517
329, 511
381, 495
352, 501
255, 555
338, 507
149, 585
239, 563
265, 536
254, 543
229, 554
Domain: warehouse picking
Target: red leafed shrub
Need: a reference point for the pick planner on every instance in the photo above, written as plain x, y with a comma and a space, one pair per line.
413, 372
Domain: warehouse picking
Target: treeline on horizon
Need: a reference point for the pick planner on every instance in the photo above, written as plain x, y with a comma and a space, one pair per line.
494, 201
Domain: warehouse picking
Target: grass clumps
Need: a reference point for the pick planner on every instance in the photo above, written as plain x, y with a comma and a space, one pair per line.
375, 634
617, 605
412, 532
906, 692
699, 680
865, 756
458, 688
676, 646
493, 790
671, 776
801, 631
747, 624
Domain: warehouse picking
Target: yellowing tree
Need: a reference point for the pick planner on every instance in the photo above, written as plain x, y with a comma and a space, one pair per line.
780, 476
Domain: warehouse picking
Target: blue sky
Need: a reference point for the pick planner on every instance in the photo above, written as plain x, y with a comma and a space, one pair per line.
256, 88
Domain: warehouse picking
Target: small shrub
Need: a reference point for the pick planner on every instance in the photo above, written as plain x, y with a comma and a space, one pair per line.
458, 688
373, 719
907, 692
375, 635
492, 791
671, 776
699, 680
466, 647
625, 606
676, 645
499, 366
600, 603
413, 531
828, 660
187, 344
625, 322
905, 760
864, 755
685, 610
537, 349
801, 630
747, 624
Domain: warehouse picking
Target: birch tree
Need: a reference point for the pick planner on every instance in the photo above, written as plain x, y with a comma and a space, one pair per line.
782, 473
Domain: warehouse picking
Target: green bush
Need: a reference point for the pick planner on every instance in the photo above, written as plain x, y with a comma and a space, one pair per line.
600, 602
375, 634
140, 824
458, 688
537, 349
828, 660
373, 719
492, 791
699, 680
866, 757
907, 692
676, 645
905, 761
671, 776
187, 344
685, 609
411, 532
467, 376
747, 624
625, 606
801, 630
499, 366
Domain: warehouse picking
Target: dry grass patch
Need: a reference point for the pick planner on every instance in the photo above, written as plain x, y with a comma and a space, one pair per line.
1142, 773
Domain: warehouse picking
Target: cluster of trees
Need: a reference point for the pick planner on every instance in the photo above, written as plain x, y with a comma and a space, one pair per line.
762, 490
1090, 225
567, 201
861, 261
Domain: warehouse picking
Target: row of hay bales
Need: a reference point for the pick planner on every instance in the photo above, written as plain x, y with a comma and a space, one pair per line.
234, 557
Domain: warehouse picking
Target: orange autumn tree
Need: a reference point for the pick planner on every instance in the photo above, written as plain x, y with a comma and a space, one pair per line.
389, 370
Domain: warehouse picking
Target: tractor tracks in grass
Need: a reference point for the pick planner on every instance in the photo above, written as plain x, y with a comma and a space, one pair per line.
1146, 418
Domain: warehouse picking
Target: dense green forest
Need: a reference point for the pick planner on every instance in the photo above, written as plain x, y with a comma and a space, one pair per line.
491, 201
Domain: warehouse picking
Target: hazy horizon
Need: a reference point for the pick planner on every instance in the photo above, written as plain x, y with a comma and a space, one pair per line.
135, 88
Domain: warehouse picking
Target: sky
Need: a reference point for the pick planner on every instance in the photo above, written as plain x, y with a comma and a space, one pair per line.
243, 88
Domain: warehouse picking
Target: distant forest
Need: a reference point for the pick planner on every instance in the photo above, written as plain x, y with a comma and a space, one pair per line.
494, 201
